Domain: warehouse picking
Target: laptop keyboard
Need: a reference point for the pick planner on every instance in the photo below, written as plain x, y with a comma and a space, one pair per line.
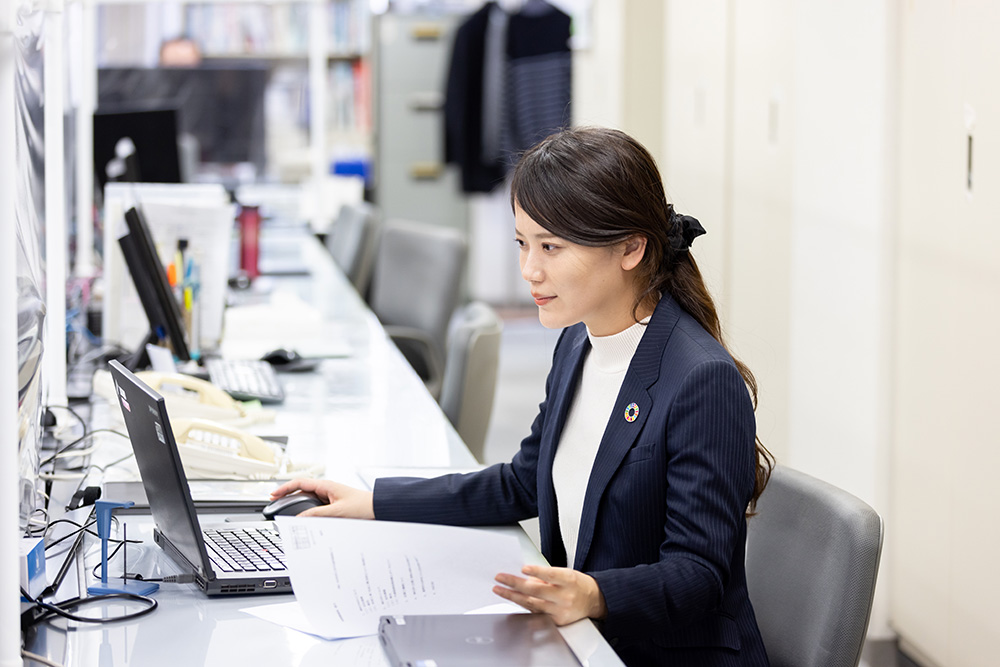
245, 549
246, 379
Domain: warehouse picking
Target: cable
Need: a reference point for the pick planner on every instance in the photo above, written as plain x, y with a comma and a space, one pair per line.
73, 412
32, 527
61, 476
105, 467
59, 609
172, 578
82, 528
74, 443
34, 657
70, 555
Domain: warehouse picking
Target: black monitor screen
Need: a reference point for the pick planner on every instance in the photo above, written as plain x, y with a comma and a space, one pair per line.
220, 104
150, 278
153, 133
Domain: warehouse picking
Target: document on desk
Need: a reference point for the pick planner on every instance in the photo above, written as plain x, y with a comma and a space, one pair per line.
347, 573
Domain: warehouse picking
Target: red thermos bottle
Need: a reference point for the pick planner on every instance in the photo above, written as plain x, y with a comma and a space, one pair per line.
249, 240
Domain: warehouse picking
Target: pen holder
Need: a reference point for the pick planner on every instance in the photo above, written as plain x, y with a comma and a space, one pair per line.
104, 509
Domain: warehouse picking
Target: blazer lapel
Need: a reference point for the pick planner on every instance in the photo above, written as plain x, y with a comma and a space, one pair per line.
631, 410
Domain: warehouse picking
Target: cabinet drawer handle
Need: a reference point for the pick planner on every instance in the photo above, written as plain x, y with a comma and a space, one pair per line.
426, 171
427, 101
426, 31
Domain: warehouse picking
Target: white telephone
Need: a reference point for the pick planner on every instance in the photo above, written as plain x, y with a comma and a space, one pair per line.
210, 449
207, 427
189, 397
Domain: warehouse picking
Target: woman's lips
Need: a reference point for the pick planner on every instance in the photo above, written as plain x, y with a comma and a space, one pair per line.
542, 300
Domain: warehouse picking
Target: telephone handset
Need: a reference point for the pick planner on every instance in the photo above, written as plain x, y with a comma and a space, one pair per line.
210, 449
189, 397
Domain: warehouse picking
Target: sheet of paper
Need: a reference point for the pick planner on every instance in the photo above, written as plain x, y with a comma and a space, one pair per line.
347, 573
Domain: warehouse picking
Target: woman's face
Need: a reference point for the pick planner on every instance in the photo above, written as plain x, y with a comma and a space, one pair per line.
573, 283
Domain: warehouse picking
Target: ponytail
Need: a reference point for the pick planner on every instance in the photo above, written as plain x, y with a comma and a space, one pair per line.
685, 284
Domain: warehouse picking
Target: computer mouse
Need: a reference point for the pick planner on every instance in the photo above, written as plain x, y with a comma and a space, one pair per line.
290, 361
281, 357
291, 504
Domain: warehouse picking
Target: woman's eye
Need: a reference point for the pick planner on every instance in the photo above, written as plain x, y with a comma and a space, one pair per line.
548, 247
519, 242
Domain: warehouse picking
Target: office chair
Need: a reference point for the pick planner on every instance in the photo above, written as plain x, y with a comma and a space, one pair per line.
470, 373
415, 290
352, 242
812, 561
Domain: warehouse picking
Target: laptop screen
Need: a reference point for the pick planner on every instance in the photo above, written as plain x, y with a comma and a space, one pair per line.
163, 478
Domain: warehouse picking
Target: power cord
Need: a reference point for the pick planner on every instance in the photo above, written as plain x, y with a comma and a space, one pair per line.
171, 578
49, 419
34, 657
43, 611
62, 450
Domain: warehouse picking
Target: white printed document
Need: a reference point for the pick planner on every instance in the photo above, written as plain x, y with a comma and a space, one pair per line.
347, 573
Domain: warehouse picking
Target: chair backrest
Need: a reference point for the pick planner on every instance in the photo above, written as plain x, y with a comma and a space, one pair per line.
351, 241
470, 373
812, 561
415, 289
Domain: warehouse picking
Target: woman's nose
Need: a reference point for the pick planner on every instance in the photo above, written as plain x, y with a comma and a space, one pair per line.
530, 270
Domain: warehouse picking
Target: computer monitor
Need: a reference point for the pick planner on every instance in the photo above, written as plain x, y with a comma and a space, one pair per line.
153, 132
166, 322
221, 104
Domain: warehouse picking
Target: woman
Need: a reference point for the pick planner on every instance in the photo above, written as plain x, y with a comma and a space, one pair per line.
642, 462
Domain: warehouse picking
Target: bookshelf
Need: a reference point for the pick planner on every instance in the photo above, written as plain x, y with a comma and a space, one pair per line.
316, 51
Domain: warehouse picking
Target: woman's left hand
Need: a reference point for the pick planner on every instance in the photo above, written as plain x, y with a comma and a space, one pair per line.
564, 594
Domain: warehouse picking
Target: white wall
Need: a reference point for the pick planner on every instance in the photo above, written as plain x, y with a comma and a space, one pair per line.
946, 445
843, 220
779, 137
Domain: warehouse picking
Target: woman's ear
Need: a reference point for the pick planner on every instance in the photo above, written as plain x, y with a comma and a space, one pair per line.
635, 250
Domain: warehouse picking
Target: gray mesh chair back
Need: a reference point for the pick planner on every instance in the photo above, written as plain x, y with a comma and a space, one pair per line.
812, 561
470, 373
351, 241
415, 290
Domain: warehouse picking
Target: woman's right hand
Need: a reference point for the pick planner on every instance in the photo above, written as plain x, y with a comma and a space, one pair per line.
341, 500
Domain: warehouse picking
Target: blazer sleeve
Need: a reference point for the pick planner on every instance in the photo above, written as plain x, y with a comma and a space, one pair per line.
711, 460
501, 494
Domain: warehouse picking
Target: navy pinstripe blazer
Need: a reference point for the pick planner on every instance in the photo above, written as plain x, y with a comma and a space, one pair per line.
663, 529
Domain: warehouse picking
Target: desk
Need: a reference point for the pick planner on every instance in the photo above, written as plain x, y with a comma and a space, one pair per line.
366, 409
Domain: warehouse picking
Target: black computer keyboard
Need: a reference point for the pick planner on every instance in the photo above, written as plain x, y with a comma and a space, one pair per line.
246, 379
245, 550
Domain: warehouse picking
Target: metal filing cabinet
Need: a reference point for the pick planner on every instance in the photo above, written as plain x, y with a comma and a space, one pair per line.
412, 55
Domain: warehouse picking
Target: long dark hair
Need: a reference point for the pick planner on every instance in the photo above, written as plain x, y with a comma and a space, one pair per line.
599, 187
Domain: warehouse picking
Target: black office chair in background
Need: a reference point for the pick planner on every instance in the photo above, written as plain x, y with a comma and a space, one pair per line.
812, 561
415, 290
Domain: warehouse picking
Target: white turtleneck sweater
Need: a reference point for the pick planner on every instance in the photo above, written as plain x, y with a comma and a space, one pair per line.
603, 373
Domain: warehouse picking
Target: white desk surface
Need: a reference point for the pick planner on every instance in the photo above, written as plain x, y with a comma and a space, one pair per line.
364, 410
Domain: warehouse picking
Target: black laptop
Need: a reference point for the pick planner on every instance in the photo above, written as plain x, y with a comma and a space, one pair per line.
227, 558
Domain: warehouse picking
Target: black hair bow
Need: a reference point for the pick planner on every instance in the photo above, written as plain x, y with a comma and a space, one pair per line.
684, 229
